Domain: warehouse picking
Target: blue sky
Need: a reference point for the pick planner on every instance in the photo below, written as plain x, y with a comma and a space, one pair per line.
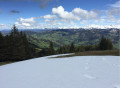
37, 14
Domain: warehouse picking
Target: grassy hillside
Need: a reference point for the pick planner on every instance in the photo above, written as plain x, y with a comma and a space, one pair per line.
94, 53
78, 36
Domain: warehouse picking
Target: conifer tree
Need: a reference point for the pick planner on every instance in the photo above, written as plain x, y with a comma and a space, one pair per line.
72, 48
105, 44
19, 45
15, 46
26, 47
1, 47
109, 44
51, 48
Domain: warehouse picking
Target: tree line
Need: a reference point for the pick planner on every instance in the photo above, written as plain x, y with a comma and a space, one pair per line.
16, 47
104, 44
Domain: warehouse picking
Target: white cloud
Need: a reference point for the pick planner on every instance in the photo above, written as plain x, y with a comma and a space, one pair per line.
63, 14
73, 19
116, 5
28, 23
49, 16
32, 23
27, 20
84, 14
3, 26
76, 14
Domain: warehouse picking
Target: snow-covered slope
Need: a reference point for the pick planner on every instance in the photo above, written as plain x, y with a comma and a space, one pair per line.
72, 72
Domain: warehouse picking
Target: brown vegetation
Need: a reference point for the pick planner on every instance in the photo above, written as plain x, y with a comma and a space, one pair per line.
94, 53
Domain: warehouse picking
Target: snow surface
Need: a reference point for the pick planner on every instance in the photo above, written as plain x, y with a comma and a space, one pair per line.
72, 72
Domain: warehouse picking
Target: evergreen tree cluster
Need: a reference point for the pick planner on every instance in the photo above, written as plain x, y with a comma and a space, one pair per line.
47, 51
66, 49
105, 44
15, 46
72, 48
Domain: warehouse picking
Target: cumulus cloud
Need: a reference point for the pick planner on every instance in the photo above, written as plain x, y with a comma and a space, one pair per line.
32, 23
63, 14
84, 14
14, 11
26, 22
76, 14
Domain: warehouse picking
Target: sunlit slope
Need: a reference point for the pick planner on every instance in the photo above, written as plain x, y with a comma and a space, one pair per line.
78, 36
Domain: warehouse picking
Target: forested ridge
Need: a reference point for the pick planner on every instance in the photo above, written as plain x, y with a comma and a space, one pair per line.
62, 37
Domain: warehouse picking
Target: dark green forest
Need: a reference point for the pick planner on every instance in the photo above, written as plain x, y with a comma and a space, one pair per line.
16, 47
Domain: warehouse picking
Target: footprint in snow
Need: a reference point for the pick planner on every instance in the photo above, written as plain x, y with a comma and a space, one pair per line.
89, 76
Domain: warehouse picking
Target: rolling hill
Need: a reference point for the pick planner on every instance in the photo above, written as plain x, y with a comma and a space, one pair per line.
66, 36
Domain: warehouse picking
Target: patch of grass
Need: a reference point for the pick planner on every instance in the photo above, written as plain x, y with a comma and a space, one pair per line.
93, 53
4, 63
